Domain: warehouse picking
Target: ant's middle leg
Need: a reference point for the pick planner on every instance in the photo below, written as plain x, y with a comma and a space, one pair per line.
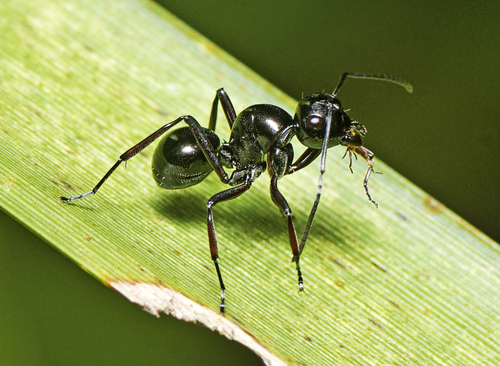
304, 160
212, 238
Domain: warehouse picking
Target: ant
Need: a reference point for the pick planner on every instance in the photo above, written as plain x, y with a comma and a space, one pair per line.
260, 139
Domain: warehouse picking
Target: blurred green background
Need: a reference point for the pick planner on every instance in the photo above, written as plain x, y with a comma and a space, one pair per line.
444, 137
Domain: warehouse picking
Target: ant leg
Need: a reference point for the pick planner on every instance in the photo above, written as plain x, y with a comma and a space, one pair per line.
282, 204
212, 238
222, 97
202, 140
130, 153
368, 156
304, 160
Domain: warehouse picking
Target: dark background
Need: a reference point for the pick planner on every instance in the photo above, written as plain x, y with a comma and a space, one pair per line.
443, 137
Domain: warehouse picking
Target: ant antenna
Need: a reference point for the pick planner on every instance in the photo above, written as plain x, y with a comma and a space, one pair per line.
390, 78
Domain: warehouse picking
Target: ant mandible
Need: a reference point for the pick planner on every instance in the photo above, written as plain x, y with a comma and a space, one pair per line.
260, 139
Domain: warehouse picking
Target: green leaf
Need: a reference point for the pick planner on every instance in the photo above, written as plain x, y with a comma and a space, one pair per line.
81, 82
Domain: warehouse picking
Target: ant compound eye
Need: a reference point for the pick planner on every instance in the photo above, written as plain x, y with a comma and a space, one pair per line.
315, 122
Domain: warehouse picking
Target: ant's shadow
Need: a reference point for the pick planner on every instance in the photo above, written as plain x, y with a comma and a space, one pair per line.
180, 207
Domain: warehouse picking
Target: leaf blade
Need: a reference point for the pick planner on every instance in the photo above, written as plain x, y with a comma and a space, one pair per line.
386, 285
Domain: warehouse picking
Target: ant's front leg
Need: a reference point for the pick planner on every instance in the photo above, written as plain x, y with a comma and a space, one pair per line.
282, 204
280, 164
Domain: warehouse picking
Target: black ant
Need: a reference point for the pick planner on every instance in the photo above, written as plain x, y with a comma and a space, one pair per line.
260, 139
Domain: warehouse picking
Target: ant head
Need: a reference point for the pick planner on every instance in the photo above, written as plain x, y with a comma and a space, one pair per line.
319, 113
312, 115
322, 123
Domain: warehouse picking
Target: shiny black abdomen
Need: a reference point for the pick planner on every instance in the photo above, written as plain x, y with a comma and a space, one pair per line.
179, 162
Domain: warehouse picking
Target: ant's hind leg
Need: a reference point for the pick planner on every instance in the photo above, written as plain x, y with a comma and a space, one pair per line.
201, 139
222, 97
130, 153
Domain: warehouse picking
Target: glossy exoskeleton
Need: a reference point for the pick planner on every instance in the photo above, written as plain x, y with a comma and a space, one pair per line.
260, 139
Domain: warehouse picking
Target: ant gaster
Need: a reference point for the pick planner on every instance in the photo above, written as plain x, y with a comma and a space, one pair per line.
260, 139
